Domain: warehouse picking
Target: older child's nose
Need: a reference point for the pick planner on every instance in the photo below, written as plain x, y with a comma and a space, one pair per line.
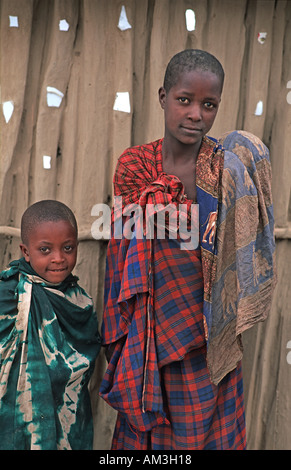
195, 112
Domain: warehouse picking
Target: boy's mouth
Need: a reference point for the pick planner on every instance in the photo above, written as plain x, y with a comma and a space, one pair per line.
59, 270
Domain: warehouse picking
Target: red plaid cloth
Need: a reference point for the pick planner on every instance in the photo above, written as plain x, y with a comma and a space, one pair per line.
157, 377
202, 416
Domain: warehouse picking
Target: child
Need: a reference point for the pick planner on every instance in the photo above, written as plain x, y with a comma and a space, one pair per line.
173, 317
49, 338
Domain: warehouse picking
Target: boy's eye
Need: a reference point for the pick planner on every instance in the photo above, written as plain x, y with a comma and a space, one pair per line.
68, 248
183, 100
44, 249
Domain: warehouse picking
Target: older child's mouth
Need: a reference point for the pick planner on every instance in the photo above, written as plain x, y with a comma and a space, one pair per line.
192, 129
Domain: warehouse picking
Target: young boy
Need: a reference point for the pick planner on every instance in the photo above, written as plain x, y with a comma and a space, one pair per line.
49, 338
173, 316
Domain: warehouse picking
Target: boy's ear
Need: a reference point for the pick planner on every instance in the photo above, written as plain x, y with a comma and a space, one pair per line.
24, 251
162, 97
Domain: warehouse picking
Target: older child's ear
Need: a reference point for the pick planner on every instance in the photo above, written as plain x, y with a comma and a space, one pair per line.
162, 97
24, 251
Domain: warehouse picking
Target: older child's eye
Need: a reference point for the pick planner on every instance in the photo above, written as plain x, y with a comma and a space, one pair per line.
209, 105
184, 100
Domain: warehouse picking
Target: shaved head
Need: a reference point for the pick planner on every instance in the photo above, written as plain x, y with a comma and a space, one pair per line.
189, 60
45, 211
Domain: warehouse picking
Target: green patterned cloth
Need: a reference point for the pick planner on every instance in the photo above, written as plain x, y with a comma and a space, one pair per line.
49, 341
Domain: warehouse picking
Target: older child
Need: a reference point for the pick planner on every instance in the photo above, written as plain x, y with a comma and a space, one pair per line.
49, 338
173, 317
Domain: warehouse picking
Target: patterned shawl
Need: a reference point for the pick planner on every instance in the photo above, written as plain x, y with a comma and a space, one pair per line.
49, 341
245, 268
236, 239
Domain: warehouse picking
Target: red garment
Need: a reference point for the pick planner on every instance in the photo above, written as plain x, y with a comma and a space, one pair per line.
157, 377
200, 414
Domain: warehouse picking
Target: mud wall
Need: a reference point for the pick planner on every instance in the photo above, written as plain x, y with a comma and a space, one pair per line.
65, 145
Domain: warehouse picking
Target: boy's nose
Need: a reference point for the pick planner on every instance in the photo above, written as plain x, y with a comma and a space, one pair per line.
58, 256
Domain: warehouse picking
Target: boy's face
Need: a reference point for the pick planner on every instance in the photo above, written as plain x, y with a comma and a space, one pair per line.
190, 106
52, 250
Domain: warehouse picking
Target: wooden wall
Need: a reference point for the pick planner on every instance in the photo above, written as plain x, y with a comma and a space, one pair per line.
91, 62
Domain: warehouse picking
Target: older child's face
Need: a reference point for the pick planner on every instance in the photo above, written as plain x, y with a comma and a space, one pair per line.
52, 250
190, 106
